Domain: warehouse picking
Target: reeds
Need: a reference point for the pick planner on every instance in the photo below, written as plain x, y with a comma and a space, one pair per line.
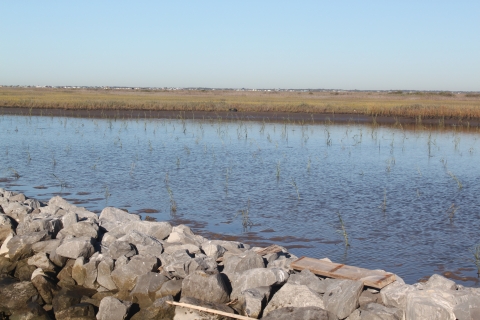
245, 215
460, 185
343, 230
173, 203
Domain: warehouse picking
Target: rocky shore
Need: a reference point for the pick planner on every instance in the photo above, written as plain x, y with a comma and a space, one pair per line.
60, 261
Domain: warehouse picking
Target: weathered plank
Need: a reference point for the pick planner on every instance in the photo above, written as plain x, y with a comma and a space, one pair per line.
371, 278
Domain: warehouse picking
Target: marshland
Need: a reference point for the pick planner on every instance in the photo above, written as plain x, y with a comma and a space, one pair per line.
401, 198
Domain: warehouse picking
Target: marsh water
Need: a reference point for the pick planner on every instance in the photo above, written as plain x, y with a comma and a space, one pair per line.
409, 199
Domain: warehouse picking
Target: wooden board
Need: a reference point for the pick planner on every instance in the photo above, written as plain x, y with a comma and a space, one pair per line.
225, 314
371, 278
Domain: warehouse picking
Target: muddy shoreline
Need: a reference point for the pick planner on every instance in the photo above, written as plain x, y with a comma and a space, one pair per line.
292, 117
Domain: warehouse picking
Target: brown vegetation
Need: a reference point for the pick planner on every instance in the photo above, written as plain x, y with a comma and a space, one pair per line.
424, 105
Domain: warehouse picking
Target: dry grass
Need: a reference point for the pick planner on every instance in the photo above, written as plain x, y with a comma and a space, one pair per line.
421, 104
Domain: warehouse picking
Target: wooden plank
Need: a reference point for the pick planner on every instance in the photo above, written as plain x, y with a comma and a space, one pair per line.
225, 314
371, 278
270, 249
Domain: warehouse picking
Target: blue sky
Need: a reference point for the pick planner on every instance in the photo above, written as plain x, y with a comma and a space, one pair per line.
422, 45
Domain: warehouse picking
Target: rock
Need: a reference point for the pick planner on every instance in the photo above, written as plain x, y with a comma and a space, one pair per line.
104, 277
182, 313
40, 260
117, 215
113, 309
16, 197
146, 286
234, 247
214, 251
252, 301
159, 309
368, 297
469, 309
80, 229
32, 311
294, 295
307, 278
170, 288
68, 297
15, 295
437, 281
341, 299
33, 224
80, 311
230, 262
154, 250
377, 311
20, 247
78, 271
121, 248
91, 274
76, 247
183, 234
108, 239
16, 211
46, 287
7, 266
395, 295
125, 276
69, 218
57, 259
429, 304
250, 260
65, 275
191, 248
46, 246
6, 227
303, 313
258, 278
282, 263
196, 284
23, 271
139, 238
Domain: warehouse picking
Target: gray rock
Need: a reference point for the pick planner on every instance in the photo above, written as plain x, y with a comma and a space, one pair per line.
197, 283
91, 273
342, 299
439, 282
20, 247
183, 234
121, 248
78, 271
69, 218
293, 295
32, 203
23, 271
16, 211
154, 250
429, 304
6, 227
56, 259
307, 278
80, 229
258, 278
117, 215
214, 251
250, 260
108, 239
375, 311
230, 262
46, 246
182, 313
146, 287
468, 309
113, 309
234, 247
251, 302
139, 238
125, 276
395, 295
282, 263
40, 260
15, 295
303, 313
369, 297
76, 247
159, 309
170, 288
16, 197
32, 224
45, 287
104, 277
191, 248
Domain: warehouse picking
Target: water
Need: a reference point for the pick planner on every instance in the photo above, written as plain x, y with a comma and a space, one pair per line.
408, 198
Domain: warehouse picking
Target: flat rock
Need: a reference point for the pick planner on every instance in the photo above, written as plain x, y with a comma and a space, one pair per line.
341, 299
76, 247
294, 295
197, 283
46, 246
104, 276
302, 313
468, 309
80, 229
113, 309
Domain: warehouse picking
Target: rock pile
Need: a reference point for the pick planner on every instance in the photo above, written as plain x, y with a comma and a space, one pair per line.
59, 261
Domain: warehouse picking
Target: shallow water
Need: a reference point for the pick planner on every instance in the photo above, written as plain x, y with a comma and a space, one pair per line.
408, 198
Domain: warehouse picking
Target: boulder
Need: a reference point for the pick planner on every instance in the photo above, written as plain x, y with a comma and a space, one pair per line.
78, 271
251, 302
6, 227
429, 304
258, 277
159, 309
214, 251
14, 294
23, 271
170, 288
294, 295
395, 295
197, 283
468, 309
76, 247
20, 247
112, 214
33, 224
16, 211
369, 297
45, 287
307, 278
80, 311
104, 276
46, 246
234, 247
146, 286
191, 248
250, 260
113, 309
139, 238
40, 260
31, 311
121, 248
91, 274
80, 229
302, 313
182, 313
125, 276
154, 250
377, 311
437, 281
68, 297
341, 299
69, 218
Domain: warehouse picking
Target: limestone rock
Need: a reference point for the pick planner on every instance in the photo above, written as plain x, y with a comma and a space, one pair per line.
40, 260
437, 281
251, 302
196, 284
121, 248
104, 277
294, 295
20, 247
117, 215
250, 260
23, 271
214, 251
15, 295
146, 286
395, 295
80, 229
429, 304
46, 287
113, 309
302, 313
257, 278
32, 224
80, 311
46, 246
159, 309
378, 311
139, 238
182, 313
125, 276
342, 299
191, 248
76, 247
170, 288
6, 227
31, 311
307, 278
468, 309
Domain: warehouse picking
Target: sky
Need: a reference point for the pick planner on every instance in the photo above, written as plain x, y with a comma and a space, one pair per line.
364, 45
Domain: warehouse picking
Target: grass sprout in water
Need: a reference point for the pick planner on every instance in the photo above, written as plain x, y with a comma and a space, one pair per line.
245, 215
343, 230
476, 255
173, 203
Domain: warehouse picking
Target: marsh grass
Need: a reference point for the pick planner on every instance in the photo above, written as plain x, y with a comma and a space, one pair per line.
460, 185
343, 230
476, 257
418, 106
173, 203
245, 215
